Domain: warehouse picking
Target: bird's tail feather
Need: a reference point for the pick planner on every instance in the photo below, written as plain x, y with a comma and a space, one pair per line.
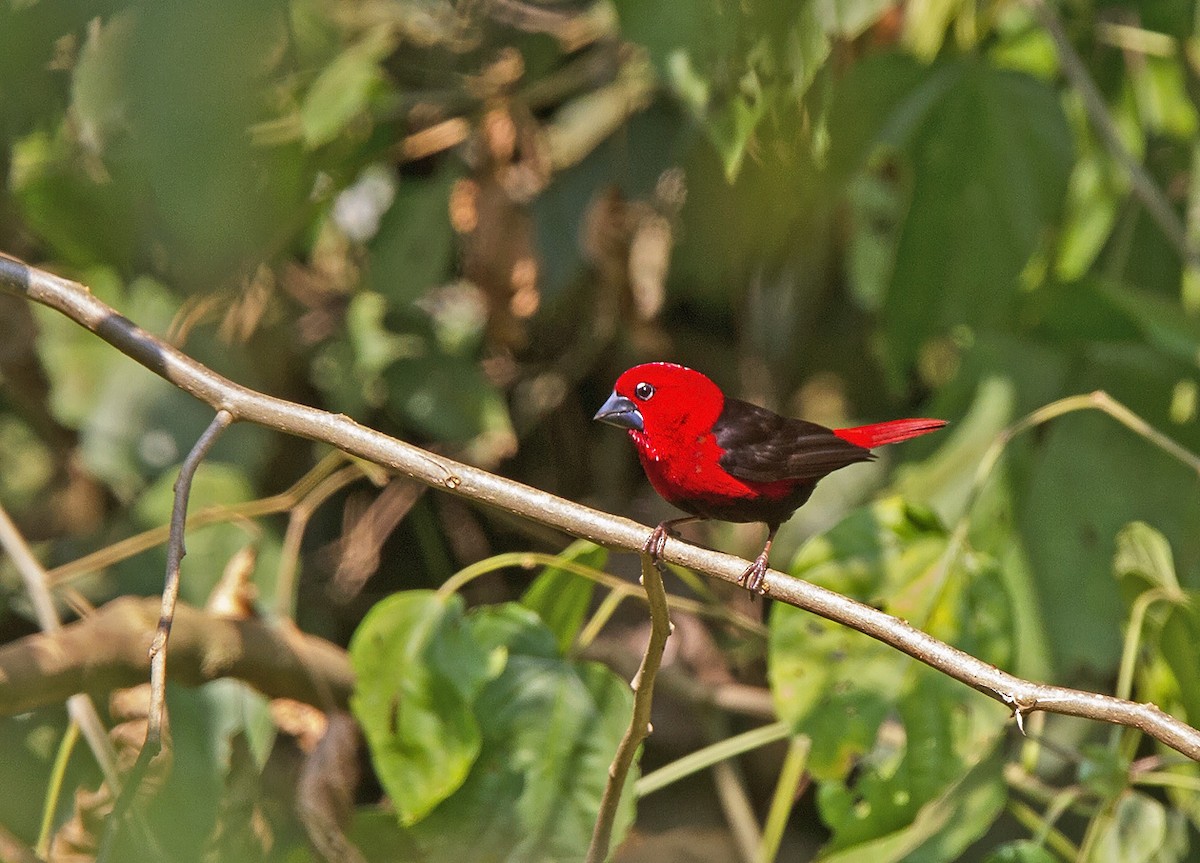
894, 431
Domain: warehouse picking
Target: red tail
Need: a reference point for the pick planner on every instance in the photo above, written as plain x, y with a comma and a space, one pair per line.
889, 432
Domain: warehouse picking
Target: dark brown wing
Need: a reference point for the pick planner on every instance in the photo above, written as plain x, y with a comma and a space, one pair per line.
762, 446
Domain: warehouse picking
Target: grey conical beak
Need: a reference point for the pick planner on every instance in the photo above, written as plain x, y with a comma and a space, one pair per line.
620, 412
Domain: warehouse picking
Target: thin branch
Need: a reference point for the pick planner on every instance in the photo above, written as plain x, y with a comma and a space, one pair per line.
1144, 187
77, 303
170, 595
639, 722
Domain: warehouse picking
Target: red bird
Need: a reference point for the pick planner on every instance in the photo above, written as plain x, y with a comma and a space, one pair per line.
722, 458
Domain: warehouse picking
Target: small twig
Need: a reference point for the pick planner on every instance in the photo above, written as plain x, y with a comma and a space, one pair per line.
158, 645
639, 722
170, 595
301, 514
1144, 187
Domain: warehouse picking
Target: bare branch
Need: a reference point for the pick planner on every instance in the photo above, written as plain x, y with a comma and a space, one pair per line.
109, 650
74, 300
170, 595
639, 722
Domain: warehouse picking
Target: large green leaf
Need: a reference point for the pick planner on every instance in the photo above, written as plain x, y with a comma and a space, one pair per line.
550, 728
912, 732
419, 672
990, 165
989, 152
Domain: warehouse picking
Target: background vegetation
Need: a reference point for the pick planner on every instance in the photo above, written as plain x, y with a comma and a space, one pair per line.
458, 223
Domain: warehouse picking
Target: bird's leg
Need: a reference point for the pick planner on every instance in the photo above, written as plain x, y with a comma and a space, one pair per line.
658, 538
754, 578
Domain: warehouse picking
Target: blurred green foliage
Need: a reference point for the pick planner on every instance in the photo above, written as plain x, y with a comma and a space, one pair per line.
458, 222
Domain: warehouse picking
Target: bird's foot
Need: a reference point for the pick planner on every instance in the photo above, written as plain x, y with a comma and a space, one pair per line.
754, 579
657, 543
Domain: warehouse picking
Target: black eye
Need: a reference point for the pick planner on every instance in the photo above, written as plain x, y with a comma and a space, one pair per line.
643, 391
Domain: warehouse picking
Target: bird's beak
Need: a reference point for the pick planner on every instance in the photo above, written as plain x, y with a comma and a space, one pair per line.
620, 412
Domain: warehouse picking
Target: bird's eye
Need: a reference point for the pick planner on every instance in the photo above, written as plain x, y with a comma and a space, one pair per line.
643, 391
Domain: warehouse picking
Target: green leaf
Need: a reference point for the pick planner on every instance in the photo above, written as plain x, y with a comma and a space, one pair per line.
1134, 832
837, 685
1144, 562
1066, 510
989, 152
343, 88
1179, 642
937, 830
419, 672
733, 71
550, 728
414, 248
1143, 553
1021, 851
990, 166
513, 628
561, 598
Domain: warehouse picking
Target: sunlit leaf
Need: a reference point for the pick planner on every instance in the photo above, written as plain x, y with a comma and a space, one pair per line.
550, 728
343, 88
1143, 553
419, 673
1135, 832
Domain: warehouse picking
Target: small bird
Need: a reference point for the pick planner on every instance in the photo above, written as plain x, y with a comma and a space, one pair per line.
722, 458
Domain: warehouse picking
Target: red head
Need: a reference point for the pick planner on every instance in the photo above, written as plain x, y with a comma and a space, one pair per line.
661, 402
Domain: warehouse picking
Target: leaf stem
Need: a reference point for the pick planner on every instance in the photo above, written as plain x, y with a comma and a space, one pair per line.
791, 775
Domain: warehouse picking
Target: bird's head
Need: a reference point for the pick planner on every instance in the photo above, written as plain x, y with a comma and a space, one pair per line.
659, 399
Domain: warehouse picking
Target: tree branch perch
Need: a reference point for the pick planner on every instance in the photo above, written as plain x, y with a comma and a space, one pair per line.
77, 303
